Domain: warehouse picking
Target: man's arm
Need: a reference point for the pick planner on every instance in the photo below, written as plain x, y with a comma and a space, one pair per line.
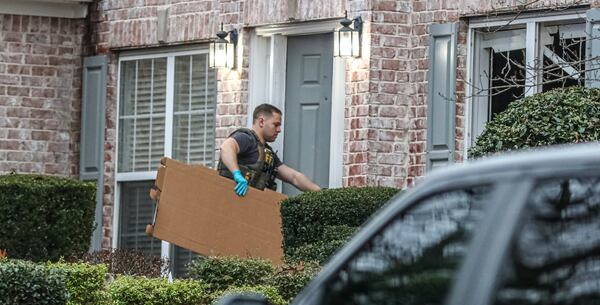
229, 152
296, 178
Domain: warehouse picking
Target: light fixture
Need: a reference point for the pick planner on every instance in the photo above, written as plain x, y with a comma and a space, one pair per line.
346, 40
222, 51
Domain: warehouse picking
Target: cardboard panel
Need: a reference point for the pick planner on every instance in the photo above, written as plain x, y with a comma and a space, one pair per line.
199, 210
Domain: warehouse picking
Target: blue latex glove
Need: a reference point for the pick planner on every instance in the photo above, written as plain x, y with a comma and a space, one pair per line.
242, 183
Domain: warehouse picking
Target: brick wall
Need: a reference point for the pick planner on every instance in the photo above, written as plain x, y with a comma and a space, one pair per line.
40, 80
390, 93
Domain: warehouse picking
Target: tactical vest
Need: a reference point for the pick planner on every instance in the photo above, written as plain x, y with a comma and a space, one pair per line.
260, 174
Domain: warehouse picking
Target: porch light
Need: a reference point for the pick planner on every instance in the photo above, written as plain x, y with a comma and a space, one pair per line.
222, 51
346, 40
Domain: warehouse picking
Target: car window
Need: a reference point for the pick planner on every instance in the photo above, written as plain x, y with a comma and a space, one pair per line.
555, 254
413, 258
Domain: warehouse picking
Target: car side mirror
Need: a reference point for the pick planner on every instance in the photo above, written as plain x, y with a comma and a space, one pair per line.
243, 299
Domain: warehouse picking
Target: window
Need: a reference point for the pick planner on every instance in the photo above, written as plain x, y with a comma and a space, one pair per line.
518, 58
167, 107
555, 257
413, 259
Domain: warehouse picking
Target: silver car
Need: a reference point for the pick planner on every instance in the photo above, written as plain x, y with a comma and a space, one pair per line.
521, 228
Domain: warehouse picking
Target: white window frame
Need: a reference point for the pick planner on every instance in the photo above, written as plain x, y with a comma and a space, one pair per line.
169, 114
532, 28
267, 83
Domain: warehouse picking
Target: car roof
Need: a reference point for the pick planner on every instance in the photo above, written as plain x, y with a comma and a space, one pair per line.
546, 160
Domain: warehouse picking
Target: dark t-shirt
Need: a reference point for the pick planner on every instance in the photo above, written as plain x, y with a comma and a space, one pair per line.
249, 150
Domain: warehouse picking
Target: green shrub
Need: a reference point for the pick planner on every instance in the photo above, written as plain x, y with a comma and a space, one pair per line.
289, 280
84, 282
333, 238
126, 290
27, 283
558, 116
270, 292
338, 232
319, 251
44, 218
219, 273
305, 217
128, 262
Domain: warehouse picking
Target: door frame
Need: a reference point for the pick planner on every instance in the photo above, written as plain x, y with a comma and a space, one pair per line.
267, 82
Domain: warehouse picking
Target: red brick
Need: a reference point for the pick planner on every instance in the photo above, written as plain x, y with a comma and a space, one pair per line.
9, 145
36, 60
18, 69
38, 92
36, 38
17, 91
43, 71
390, 64
17, 112
384, 5
13, 37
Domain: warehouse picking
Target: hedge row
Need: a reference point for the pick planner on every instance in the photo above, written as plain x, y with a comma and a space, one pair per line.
570, 115
26, 283
220, 273
128, 290
23, 282
84, 282
44, 218
315, 224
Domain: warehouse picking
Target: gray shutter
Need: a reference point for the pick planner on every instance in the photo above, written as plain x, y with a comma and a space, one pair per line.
593, 48
441, 95
91, 156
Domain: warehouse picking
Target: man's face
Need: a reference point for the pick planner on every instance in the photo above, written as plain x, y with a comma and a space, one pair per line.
270, 126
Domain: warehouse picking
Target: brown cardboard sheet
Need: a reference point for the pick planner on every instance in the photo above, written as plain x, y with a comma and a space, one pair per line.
198, 210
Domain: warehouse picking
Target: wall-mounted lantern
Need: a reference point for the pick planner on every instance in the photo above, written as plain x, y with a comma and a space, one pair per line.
222, 51
346, 40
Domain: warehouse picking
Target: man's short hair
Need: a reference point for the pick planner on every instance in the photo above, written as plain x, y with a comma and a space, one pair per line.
264, 109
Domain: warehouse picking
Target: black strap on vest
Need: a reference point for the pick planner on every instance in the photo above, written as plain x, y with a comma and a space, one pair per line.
262, 173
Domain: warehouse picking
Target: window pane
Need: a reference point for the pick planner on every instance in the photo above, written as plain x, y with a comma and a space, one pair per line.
499, 73
555, 257
508, 79
194, 119
137, 211
142, 114
563, 52
182, 258
413, 260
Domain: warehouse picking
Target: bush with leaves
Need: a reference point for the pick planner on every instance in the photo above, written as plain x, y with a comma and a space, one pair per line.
318, 252
128, 262
84, 282
26, 283
269, 292
45, 218
306, 218
569, 115
127, 290
291, 279
219, 273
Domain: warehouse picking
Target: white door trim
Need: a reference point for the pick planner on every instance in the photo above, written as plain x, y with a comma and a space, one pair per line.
304, 28
267, 82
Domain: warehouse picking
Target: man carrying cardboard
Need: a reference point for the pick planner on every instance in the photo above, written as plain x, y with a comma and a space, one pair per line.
249, 160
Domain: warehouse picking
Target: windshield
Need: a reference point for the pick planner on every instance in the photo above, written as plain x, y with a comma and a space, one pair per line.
413, 258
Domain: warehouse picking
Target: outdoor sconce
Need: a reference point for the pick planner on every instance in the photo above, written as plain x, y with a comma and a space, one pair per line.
222, 51
346, 40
